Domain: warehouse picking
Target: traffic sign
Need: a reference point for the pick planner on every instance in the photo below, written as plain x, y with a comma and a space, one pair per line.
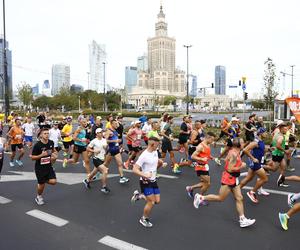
244, 86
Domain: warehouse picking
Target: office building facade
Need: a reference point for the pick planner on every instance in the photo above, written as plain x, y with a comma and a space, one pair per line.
220, 80
9, 69
130, 77
60, 78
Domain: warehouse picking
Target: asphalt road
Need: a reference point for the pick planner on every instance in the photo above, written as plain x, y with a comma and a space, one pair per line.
91, 215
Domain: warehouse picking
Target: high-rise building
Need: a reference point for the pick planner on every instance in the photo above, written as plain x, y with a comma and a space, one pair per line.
97, 58
60, 78
35, 90
76, 88
220, 80
193, 92
142, 63
9, 68
161, 77
130, 78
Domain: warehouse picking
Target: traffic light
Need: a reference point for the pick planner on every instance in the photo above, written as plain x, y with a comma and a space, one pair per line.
245, 96
212, 85
240, 83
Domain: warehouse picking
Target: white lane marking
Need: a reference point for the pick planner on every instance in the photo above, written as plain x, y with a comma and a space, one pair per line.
270, 191
59, 222
4, 200
119, 244
159, 175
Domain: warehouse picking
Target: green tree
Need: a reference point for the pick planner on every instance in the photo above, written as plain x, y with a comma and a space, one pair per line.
270, 92
42, 102
169, 100
25, 94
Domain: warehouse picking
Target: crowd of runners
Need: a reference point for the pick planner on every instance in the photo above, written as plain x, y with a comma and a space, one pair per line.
145, 145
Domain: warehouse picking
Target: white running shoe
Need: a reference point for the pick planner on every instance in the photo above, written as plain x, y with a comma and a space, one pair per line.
261, 191
145, 222
246, 222
218, 161
11, 164
197, 200
123, 180
39, 200
135, 197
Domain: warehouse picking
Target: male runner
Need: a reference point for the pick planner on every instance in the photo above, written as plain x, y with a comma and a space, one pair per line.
98, 147
28, 127
230, 183
146, 167
256, 151
201, 157
66, 134
44, 155
16, 135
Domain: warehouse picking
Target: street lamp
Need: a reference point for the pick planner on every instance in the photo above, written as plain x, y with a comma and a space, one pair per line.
5, 76
187, 77
292, 75
105, 105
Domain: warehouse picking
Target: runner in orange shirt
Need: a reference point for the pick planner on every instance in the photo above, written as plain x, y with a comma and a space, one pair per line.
16, 135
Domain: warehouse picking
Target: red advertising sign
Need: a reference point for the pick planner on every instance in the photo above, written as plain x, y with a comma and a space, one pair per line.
294, 104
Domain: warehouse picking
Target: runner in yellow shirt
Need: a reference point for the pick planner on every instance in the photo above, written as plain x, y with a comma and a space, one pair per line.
66, 134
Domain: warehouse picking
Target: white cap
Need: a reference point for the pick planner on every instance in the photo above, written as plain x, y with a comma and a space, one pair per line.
293, 118
137, 122
98, 130
279, 122
234, 119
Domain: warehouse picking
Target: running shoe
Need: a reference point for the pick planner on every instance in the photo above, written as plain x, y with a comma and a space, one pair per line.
280, 180
135, 197
290, 169
176, 169
65, 162
86, 184
285, 185
39, 200
165, 164
218, 161
197, 200
261, 191
290, 201
145, 222
123, 180
252, 196
126, 164
11, 164
246, 222
105, 190
189, 191
283, 220
20, 163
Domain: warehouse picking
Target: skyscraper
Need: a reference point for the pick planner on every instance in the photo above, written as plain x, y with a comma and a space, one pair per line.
35, 90
97, 56
194, 86
130, 78
220, 80
142, 63
9, 68
60, 78
161, 77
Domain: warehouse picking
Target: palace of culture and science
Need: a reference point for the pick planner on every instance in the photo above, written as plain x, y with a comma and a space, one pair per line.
162, 78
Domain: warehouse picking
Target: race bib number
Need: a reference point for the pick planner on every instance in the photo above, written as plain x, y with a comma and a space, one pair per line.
237, 182
45, 160
262, 160
18, 136
139, 137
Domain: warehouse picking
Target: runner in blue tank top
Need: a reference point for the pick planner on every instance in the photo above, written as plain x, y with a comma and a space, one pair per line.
256, 151
114, 150
80, 145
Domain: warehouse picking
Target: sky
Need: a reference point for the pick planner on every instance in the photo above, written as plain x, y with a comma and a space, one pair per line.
238, 34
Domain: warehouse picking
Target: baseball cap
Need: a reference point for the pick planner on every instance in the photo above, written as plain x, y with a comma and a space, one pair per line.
98, 130
279, 122
99, 117
234, 119
137, 122
293, 118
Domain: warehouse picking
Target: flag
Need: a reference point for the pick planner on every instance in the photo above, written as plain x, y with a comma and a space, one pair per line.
294, 104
